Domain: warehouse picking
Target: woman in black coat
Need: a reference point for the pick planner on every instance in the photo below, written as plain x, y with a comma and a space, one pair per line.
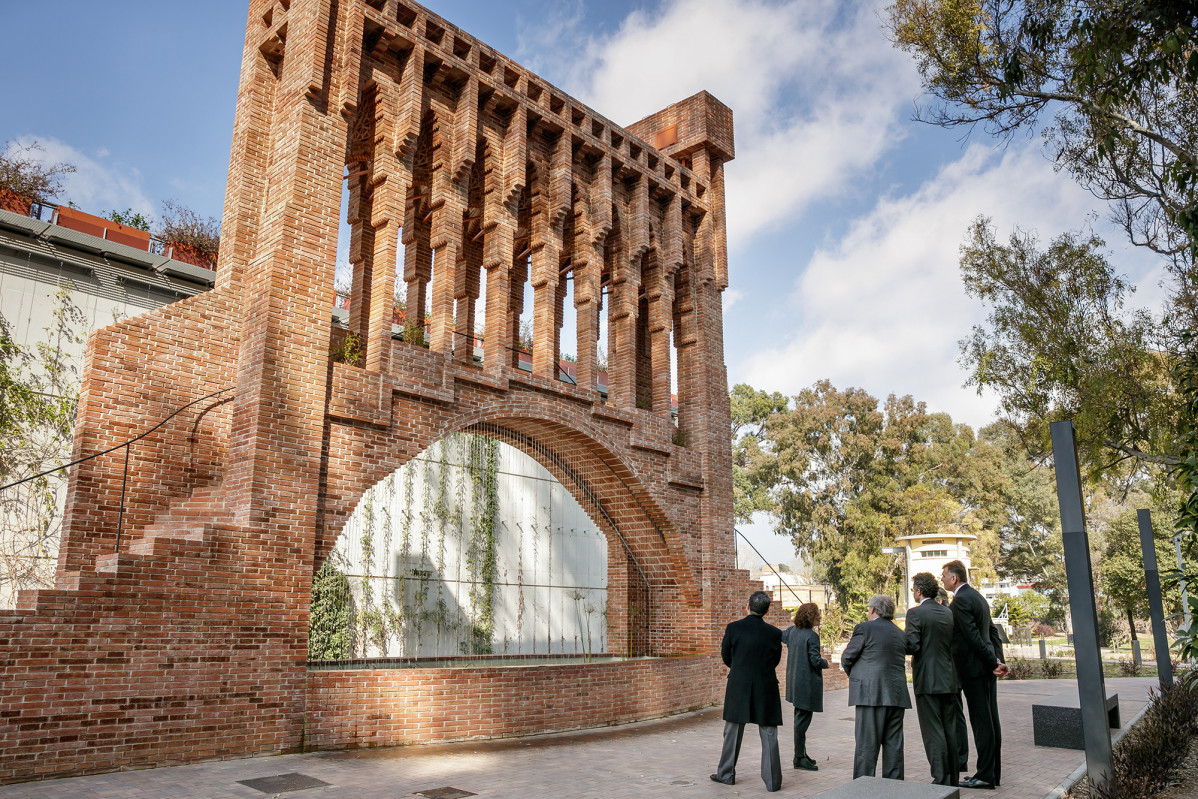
804, 677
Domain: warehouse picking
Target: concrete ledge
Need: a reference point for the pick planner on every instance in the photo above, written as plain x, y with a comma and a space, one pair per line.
874, 787
1057, 720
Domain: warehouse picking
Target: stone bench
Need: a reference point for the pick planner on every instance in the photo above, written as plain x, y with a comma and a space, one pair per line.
1057, 720
875, 787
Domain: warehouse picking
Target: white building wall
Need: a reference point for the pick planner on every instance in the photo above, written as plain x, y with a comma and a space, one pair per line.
550, 590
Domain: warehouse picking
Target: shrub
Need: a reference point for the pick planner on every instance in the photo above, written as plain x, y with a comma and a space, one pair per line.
1043, 631
130, 218
1051, 669
832, 626
26, 175
1021, 669
1108, 627
181, 225
350, 350
1129, 668
330, 615
1145, 761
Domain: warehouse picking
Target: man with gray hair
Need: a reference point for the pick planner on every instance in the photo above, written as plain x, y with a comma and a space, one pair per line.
752, 649
875, 661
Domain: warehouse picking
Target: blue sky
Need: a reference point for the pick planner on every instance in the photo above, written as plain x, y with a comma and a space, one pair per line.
845, 216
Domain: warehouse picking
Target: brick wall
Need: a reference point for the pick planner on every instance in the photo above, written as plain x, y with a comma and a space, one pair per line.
389, 707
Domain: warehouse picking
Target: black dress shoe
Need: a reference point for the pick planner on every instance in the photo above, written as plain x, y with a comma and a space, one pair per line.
807, 764
974, 782
732, 781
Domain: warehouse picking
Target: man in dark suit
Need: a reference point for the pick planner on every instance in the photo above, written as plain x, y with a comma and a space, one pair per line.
752, 649
875, 661
959, 707
979, 669
929, 641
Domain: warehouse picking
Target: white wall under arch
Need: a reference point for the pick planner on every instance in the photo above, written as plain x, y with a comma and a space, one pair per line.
406, 550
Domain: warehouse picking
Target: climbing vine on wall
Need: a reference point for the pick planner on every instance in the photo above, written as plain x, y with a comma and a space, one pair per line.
330, 623
481, 556
422, 568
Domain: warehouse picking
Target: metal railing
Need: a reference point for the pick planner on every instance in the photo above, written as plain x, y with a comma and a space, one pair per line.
781, 582
127, 446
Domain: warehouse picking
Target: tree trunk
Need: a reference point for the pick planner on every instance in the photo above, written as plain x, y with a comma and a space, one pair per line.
1131, 623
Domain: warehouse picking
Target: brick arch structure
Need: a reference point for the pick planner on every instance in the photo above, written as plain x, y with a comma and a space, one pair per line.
649, 556
177, 628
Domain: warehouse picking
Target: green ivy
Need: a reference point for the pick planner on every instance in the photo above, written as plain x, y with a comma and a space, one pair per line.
468, 498
482, 554
331, 618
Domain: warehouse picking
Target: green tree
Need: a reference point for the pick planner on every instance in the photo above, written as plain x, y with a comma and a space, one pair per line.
1117, 78
1023, 610
851, 477
1029, 521
1121, 567
26, 175
38, 395
752, 463
1185, 373
1058, 343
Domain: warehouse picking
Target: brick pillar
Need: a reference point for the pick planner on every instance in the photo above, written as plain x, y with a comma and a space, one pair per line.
499, 231
588, 264
708, 428
545, 324
391, 177
248, 161
661, 305
361, 247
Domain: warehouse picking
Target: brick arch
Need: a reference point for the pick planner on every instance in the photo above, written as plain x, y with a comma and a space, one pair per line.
647, 563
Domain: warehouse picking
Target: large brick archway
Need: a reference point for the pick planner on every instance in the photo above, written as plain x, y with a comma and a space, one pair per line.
177, 629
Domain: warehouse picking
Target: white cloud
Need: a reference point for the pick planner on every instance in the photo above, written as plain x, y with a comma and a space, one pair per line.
883, 308
816, 91
97, 185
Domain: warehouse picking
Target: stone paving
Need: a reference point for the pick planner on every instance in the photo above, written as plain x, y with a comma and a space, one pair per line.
669, 758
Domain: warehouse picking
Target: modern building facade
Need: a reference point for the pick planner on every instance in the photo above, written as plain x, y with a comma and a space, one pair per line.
108, 272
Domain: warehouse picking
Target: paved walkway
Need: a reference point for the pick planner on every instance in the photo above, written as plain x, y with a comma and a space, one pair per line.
670, 758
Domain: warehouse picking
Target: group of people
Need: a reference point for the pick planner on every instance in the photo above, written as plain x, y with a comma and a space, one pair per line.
956, 650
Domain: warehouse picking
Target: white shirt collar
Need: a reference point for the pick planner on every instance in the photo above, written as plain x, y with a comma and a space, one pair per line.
958, 588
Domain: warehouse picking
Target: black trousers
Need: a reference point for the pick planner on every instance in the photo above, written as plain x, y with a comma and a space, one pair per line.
938, 728
981, 697
962, 733
802, 723
771, 763
878, 727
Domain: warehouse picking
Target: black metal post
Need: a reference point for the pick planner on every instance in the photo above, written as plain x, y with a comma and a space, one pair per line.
1091, 687
1156, 606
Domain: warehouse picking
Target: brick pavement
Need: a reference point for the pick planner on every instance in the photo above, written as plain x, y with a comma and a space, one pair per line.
669, 758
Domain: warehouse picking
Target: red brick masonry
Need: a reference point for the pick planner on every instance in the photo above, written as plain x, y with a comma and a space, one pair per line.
182, 634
